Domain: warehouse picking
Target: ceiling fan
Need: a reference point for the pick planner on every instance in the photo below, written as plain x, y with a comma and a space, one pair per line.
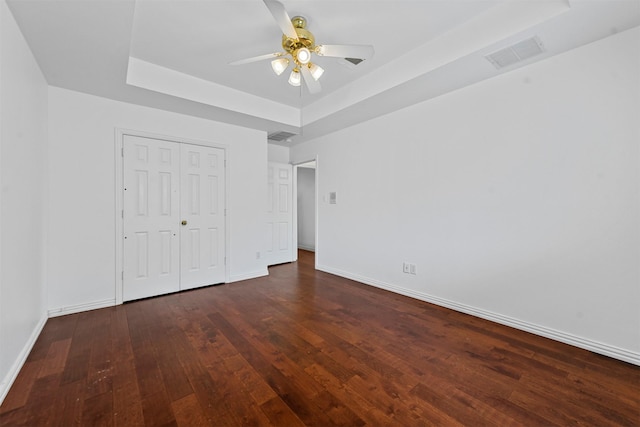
299, 45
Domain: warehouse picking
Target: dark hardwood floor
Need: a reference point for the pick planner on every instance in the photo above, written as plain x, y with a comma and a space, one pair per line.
302, 347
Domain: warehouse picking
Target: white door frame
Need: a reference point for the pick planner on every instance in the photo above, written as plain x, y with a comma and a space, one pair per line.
119, 198
295, 206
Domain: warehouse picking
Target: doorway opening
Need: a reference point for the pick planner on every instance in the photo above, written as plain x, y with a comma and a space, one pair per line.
305, 218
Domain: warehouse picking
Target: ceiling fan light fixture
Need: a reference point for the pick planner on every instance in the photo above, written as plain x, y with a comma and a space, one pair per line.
298, 48
279, 65
316, 71
303, 55
294, 77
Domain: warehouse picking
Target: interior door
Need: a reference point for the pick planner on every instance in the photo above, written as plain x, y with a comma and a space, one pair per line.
173, 217
279, 213
202, 212
151, 217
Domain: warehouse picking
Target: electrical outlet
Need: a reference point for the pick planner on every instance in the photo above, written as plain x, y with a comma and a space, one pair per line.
257, 255
408, 268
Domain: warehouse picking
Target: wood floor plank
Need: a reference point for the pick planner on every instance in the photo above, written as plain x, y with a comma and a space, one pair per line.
68, 405
127, 403
188, 412
98, 410
56, 358
77, 366
21, 388
462, 408
279, 413
169, 350
304, 347
363, 407
250, 378
56, 329
574, 402
229, 404
43, 400
298, 393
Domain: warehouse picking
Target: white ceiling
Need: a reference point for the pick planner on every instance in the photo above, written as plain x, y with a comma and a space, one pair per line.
175, 54
200, 38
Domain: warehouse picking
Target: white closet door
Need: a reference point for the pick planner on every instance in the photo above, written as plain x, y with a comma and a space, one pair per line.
151, 217
279, 213
174, 217
202, 216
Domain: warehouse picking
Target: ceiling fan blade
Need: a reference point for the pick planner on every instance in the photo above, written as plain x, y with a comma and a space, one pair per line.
257, 58
345, 50
282, 18
312, 84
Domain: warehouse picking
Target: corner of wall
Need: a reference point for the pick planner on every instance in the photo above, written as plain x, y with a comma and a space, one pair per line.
23, 159
13, 372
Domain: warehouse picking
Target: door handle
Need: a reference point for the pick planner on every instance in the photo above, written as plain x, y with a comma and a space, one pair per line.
183, 222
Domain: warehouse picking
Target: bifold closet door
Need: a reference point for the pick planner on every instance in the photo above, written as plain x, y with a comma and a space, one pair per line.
174, 209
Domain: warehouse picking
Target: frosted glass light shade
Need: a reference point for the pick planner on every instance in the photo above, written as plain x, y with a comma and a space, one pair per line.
316, 71
279, 65
294, 78
303, 55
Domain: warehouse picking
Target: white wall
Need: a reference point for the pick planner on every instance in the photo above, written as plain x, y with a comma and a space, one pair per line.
306, 193
517, 198
23, 136
278, 153
81, 262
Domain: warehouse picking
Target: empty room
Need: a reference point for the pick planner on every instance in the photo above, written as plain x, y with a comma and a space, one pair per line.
305, 212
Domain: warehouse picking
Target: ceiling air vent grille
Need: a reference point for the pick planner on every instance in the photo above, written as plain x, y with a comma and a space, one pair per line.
350, 62
280, 136
516, 53
354, 61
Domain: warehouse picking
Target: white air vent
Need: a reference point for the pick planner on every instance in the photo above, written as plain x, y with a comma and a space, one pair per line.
280, 136
516, 53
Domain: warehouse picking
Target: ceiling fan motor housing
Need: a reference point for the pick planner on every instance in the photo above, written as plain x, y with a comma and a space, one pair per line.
305, 38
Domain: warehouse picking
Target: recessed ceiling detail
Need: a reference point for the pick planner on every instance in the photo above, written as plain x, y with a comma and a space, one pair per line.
174, 54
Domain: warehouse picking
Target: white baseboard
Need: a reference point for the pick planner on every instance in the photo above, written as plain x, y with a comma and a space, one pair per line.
574, 340
247, 276
11, 376
111, 302
311, 248
55, 312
